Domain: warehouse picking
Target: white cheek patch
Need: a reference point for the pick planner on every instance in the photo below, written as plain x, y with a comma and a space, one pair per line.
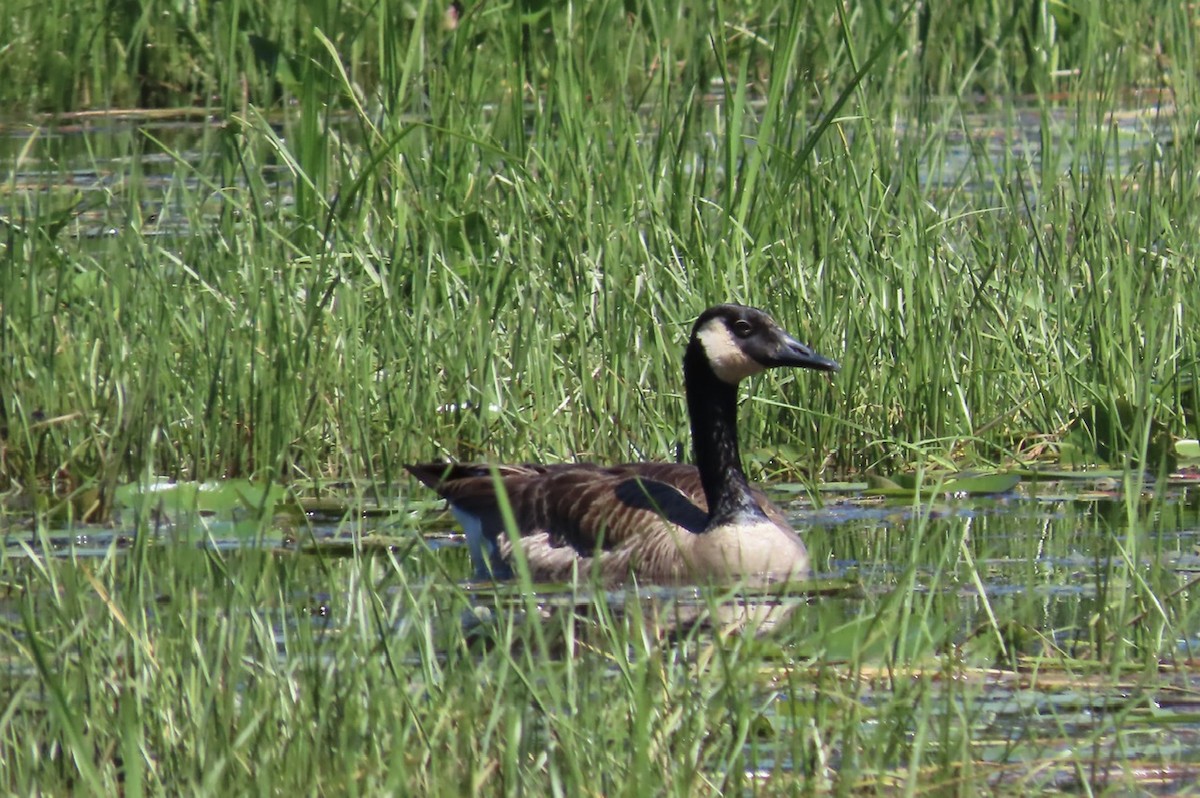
728, 361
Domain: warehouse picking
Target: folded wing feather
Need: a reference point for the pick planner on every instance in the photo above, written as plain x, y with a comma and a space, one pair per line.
586, 507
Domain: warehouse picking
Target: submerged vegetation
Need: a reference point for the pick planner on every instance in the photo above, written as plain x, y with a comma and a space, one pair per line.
339, 237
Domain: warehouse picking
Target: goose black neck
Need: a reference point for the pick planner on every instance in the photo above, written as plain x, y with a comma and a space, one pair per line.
712, 407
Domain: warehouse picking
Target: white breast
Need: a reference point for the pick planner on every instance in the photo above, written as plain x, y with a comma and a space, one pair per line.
755, 549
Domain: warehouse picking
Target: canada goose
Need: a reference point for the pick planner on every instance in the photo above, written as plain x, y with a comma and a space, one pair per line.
662, 522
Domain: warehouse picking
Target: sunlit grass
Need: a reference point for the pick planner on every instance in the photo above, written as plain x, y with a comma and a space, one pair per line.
511, 274
397, 241
164, 668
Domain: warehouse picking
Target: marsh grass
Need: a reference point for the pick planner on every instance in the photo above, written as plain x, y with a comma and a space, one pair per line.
163, 668
358, 289
397, 241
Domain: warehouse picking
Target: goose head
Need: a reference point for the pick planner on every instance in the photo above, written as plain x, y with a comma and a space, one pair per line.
737, 342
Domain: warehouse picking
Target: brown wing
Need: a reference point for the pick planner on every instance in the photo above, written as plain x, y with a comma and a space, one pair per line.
683, 477
583, 506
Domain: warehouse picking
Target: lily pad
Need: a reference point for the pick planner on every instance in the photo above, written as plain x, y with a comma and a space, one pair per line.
876, 484
1001, 482
966, 484
220, 497
1084, 475
1188, 449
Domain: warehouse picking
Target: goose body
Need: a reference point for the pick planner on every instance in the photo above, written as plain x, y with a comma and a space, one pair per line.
662, 522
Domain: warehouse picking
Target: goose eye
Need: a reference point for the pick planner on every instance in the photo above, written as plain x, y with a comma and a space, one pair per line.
743, 328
